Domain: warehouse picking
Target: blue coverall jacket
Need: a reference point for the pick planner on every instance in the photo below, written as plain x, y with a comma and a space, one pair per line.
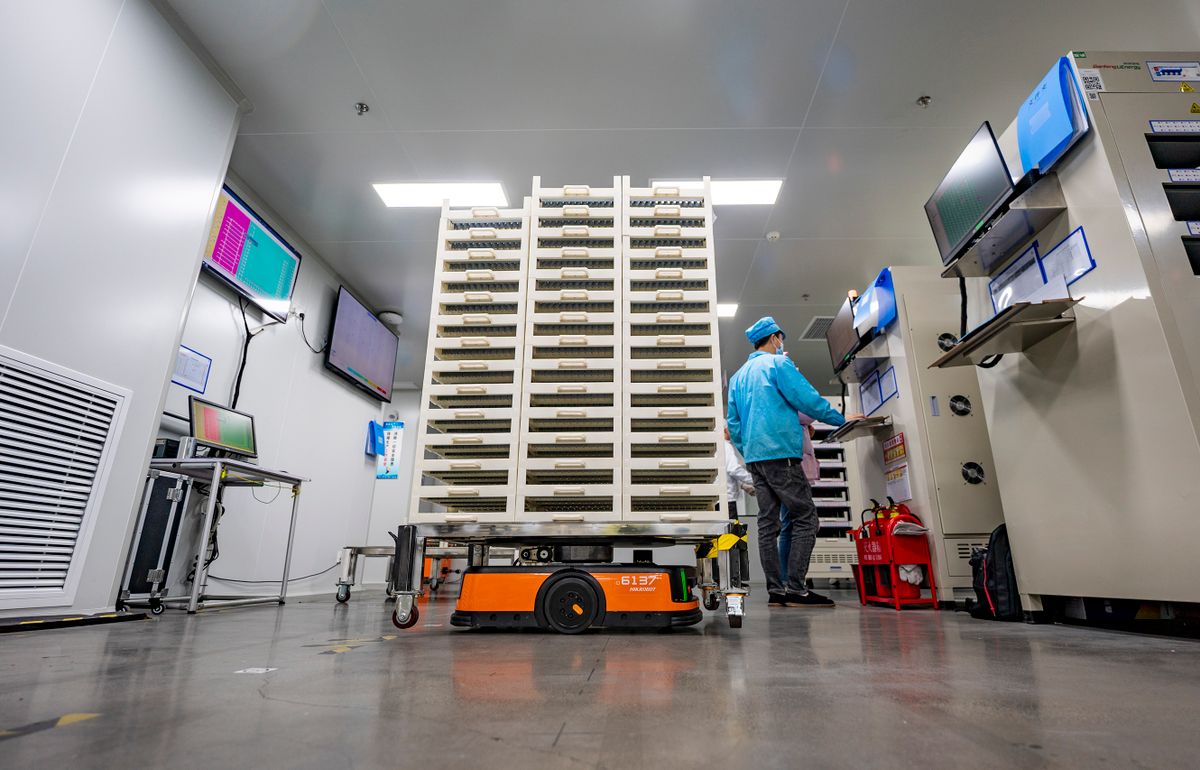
764, 397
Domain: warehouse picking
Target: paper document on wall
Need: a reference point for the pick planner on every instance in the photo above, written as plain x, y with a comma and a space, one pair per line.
898, 486
387, 465
1018, 281
1071, 259
191, 369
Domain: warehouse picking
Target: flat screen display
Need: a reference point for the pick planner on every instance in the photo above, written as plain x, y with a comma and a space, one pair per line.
361, 348
221, 428
842, 337
977, 185
244, 252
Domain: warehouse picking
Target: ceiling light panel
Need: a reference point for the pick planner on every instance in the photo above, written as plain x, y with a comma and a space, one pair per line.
431, 194
727, 309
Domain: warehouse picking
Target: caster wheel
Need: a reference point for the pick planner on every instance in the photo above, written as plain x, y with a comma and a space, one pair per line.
571, 605
711, 601
412, 619
735, 621
156, 607
343, 594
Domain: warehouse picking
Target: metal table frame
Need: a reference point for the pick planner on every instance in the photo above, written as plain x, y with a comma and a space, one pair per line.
479, 538
219, 473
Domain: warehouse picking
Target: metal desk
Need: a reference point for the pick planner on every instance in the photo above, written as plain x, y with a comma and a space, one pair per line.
219, 473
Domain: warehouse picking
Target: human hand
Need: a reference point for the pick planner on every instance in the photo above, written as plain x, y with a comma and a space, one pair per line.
749, 489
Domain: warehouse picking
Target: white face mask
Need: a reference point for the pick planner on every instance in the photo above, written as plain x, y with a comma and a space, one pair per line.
779, 350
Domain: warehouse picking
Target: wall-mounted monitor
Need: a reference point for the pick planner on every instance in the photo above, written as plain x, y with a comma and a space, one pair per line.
841, 337
977, 186
361, 348
245, 253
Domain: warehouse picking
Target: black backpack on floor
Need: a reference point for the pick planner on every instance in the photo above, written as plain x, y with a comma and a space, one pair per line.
994, 579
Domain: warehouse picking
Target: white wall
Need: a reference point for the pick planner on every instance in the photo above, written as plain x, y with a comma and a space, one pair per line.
389, 506
114, 142
308, 422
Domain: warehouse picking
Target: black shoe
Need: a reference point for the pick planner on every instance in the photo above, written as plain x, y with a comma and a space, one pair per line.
777, 600
810, 599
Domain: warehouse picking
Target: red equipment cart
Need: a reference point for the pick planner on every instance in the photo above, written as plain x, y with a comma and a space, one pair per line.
881, 552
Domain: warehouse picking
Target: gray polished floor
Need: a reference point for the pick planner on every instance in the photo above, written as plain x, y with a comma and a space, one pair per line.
794, 688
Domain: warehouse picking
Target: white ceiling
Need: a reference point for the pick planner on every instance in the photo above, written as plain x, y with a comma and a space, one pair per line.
819, 92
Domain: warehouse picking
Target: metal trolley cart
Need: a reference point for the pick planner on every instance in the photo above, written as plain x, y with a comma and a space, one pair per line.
563, 577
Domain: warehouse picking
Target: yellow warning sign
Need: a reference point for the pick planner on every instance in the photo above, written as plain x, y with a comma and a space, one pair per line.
1186, 88
1195, 108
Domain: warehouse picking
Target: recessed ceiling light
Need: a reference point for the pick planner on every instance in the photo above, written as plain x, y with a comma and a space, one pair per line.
726, 309
735, 192
431, 194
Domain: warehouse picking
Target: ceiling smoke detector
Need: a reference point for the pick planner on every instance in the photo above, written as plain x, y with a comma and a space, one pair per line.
391, 319
362, 108
773, 236
924, 101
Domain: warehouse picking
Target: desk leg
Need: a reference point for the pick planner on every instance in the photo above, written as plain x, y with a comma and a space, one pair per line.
287, 556
214, 487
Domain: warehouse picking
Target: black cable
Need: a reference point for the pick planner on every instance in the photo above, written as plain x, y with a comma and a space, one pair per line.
290, 580
305, 337
237, 380
844, 391
990, 361
179, 417
249, 335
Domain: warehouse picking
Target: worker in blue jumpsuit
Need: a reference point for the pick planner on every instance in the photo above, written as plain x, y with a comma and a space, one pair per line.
764, 398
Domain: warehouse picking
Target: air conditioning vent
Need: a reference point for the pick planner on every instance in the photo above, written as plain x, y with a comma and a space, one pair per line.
817, 328
56, 432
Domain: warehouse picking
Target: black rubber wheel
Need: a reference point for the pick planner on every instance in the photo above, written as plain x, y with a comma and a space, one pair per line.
571, 605
156, 607
735, 621
343, 594
711, 601
412, 619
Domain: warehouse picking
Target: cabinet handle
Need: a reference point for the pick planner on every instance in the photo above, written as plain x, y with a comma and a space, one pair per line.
482, 233
462, 492
668, 413
464, 390
571, 517
575, 294
664, 342
571, 491
672, 388
466, 440
458, 518
674, 464
666, 192
466, 466
569, 464
481, 275
667, 211
478, 296
476, 320
669, 318
481, 253
575, 231
668, 272
576, 190
468, 415
573, 341
570, 438
472, 366
576, 211
672, 364
572, 363
667, 296
485, 212
476, 342
568, 273
570, 413
668, 231
668, 251
672, 491
572, 389
672, 438
575, 253
573, 318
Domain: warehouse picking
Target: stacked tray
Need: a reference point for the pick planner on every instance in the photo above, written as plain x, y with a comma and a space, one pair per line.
672, 449
569, 448
465, 469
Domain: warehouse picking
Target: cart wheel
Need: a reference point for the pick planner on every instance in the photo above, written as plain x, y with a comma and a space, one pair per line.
711, 601
571, 605
412, 619
735, 621
343, 594
156, 607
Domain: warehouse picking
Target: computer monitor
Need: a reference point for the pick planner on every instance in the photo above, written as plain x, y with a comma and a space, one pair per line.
842, 338
362, 350
976, 187
219, 427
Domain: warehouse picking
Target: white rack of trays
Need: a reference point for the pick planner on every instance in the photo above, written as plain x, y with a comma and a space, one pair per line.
836, 496
671, 407
465, 469
570, 439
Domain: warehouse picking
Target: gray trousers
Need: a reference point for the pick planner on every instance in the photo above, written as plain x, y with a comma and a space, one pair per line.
783, 481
